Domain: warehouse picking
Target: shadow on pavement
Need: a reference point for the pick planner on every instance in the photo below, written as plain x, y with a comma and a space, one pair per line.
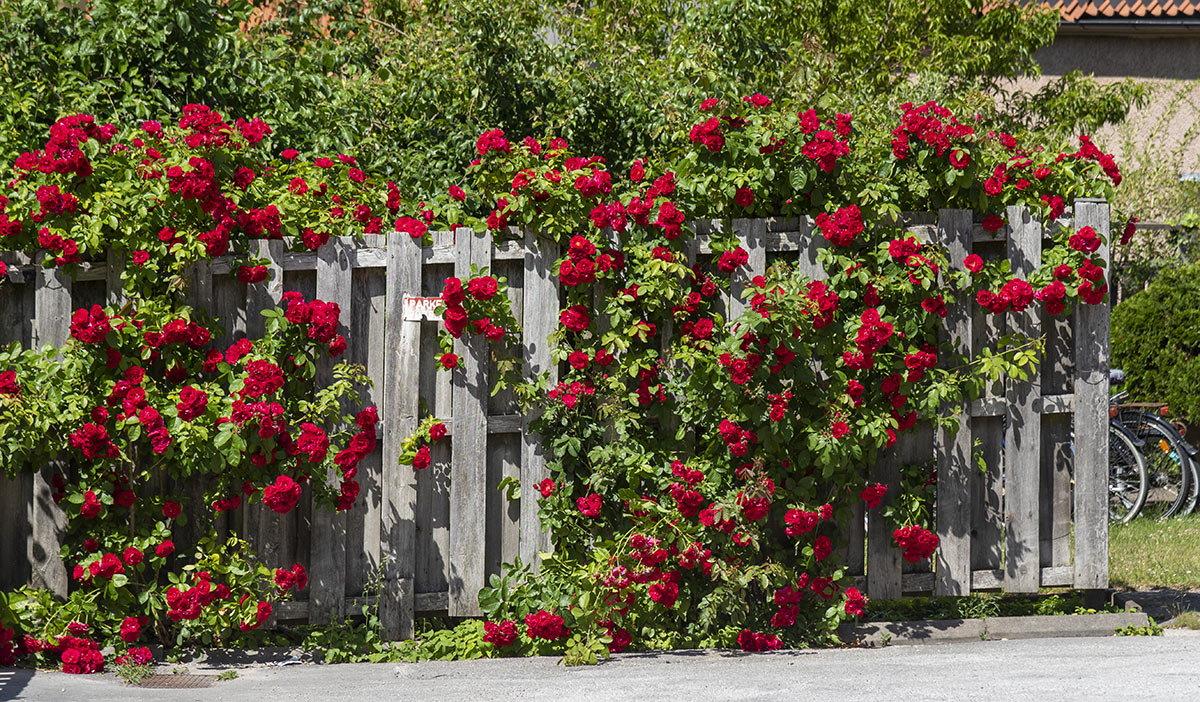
12, 682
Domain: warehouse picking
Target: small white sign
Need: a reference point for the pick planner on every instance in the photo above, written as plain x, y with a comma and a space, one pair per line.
421, 308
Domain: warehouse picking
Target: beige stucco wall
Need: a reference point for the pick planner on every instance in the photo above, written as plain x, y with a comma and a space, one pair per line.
1158, 141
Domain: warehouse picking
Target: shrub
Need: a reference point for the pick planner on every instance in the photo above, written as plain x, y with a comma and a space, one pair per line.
1156, 341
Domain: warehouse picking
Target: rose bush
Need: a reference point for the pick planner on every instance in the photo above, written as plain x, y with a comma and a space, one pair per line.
142, 401
702, 479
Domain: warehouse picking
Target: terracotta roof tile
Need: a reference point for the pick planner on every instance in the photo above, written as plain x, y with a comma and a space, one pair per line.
1075, 10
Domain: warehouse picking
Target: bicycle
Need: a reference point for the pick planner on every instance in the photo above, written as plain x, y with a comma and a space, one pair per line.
1128, 475
1173, 484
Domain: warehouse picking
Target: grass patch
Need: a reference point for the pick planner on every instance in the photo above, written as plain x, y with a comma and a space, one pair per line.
1186, 620
1150, 553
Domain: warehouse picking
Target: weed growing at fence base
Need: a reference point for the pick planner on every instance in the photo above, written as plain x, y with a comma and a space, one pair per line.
1151, 553
980, 606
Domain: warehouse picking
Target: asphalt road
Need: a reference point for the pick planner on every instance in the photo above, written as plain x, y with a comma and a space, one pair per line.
1118, 668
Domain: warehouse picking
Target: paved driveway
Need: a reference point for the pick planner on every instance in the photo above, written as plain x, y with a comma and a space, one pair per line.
1118, 668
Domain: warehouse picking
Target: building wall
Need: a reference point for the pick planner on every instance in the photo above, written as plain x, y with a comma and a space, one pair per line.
1158, 142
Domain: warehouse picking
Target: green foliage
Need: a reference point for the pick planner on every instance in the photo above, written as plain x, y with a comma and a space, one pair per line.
1156, 341
399, 78
133, 673
980, 606
351, 640
1151, 629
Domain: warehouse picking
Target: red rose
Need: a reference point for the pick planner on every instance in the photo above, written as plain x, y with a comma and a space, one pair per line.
483, 287
973, 263
422, 459
578, 359
744, 197
546, 487
437, 432
282, 495
164, 549
590, 505
449, 361
575, 318
132, 556
993, 223
500, 635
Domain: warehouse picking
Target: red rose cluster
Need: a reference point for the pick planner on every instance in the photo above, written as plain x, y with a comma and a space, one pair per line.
753, 642
500, 635
187, 605
286, 579
456, 318
545, 625
841, 228
918, 543
935, 127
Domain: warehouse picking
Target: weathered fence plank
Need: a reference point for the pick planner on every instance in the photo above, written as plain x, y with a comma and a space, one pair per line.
52, 315
327, 576
752, 235
1091, 420
468, 477
401, 370
541, 303
954, 465
1022, 436
272, 534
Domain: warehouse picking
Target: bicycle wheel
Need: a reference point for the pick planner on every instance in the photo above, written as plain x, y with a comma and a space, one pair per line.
1127, 481
1193, 497
1180, 447
1169, 471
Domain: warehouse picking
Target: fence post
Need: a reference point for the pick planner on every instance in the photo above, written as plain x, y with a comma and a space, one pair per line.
402, 372
541, 317
1023, 428
954, 464
327, 579
1091, 418
52, 315
468, 464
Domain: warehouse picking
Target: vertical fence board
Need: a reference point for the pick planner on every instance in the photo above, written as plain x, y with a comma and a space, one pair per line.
954, 465
272, 534
16, 495
433, 484
1022, 436
367, 347
401, 369
541, 303
15, 505
1091, 420
811, 243
752, 235
468, 478
115, 292
52, 314
883, 558
327, 579
1058, 373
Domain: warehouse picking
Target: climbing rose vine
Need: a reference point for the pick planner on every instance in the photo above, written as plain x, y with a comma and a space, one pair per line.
705, 468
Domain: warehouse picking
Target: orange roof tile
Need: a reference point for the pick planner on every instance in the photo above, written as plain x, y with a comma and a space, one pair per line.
1075, 10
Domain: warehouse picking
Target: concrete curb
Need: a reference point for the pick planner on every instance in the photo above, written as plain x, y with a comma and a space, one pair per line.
931, 631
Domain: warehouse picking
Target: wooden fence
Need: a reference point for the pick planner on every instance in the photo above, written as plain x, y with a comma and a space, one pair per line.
1036, 517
